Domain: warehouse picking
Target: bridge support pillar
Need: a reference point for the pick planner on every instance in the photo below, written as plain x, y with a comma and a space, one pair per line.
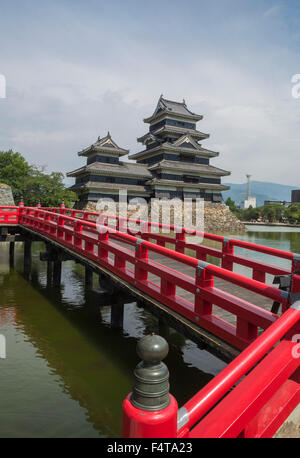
11, 254
106, 284
27, 257
49, 273
56, 273
117, 315
88, 277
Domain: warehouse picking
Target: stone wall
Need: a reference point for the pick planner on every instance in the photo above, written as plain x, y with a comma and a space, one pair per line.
6, 197
217, 217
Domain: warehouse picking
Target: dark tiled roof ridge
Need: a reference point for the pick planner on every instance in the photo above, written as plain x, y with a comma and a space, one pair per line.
194, 166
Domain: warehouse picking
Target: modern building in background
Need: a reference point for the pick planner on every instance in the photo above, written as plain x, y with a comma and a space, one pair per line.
172, 164
278, 202
250, 201
296, 195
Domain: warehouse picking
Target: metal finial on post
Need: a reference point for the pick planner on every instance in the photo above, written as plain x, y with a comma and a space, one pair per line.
62, 205
21, 203
150, 410
151, 376
39, 204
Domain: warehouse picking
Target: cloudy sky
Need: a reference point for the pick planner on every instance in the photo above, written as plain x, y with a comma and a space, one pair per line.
77, 68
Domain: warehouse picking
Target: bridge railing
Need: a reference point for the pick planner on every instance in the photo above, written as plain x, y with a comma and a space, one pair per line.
250, 398
258, 405
177, 240
133, 264
9, 215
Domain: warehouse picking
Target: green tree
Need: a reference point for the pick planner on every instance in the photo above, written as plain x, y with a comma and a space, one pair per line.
49, 189
231, 204
293, 213
273, 212
14, 170
251, 213
32, 183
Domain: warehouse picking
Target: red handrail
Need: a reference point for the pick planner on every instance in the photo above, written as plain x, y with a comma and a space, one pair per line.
226, 254
9, 214
206, 398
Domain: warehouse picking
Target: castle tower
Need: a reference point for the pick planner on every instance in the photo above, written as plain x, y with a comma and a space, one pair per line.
104, 174
178, 163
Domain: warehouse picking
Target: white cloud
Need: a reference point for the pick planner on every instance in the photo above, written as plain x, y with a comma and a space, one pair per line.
274, 11
57, 106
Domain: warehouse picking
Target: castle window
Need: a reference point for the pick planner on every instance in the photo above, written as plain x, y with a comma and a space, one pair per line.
190, 179
187, 158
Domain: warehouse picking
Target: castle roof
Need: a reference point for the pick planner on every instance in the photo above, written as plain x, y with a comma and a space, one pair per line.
112, 187
189, 167
172, 130
184, 184
184, 144
104, 145
120, 169
173, 108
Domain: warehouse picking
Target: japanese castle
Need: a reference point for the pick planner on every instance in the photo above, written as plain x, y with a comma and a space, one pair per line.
172, 164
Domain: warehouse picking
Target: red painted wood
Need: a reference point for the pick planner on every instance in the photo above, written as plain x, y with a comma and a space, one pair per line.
157, 424
228, 250
271, 417
231, 416
206, 398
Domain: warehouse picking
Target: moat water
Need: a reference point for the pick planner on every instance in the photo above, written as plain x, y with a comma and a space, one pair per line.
66, 371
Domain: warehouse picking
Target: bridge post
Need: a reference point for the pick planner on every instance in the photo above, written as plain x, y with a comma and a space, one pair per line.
62, 207
117, 315
106, 284
49, 273
227, 251
88, 277
56, 273
204, 279
27, 257
11, 253
150, 411
180, 241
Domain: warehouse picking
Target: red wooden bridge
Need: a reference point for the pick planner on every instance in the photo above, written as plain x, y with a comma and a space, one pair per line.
248, 321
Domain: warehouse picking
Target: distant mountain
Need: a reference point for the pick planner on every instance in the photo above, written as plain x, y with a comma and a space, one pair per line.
261, 190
